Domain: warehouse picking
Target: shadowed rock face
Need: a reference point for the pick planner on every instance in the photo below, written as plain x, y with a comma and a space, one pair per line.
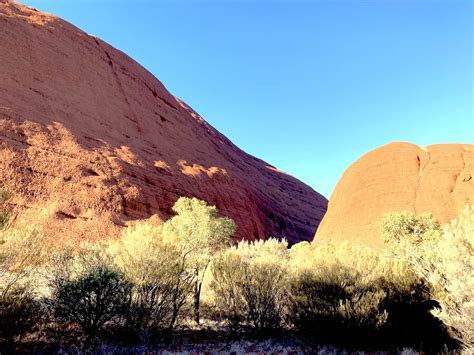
398, 177
90, 140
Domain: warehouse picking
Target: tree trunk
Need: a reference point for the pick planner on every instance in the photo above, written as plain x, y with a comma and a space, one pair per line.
173, 318
197, 296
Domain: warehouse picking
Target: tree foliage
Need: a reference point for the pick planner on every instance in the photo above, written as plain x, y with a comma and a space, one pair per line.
199, 233
445, 259
161, 284
335, 291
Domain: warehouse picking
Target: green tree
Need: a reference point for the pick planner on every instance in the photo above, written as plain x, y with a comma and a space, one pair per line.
200, 234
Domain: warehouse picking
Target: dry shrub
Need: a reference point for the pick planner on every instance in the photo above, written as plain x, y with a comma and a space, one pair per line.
21, 251
250, 285
352, 294
335, 292
444, 258
161, 283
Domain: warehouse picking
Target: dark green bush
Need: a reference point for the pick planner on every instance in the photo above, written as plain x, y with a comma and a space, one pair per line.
408, 303
335, 305
19, 314
92, 300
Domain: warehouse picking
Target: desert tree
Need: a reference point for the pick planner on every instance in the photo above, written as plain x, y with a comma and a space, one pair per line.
160, 282
199, 233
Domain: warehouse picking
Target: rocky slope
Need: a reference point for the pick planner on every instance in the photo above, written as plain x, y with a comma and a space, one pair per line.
90, 140
398, 177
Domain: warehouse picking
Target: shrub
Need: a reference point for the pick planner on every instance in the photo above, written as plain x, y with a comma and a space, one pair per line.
408, 303
445, 259
360, 295
4, 216
408, 227
4, 220
333, 303
89, 299
21, 250
20, 313
160, 282
250, 285
453, 277
5, 195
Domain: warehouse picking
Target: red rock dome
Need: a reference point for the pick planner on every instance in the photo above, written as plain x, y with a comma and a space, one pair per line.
398, 177
90, 140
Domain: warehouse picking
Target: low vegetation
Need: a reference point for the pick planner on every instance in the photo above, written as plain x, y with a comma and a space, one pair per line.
154, 281
250, 285
444, 257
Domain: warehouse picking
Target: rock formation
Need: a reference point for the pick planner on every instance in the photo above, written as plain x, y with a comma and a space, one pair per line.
90, 140
398, 177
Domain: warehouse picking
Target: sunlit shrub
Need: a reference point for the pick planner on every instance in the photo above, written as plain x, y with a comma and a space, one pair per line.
454, 277
405, 226
161, 284
335, 293
360, 294
445, 259
21, 251
167, 264
334, 301
250, 285
408, 303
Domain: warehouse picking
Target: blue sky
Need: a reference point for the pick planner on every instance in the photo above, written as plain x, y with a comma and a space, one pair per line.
308, 86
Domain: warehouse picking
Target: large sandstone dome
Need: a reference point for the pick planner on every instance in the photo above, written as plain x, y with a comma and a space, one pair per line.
90, 140
398, 177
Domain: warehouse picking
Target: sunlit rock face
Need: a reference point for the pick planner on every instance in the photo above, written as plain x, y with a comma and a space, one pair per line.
398, 177
90, 140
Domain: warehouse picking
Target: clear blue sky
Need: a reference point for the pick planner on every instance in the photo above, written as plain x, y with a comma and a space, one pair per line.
308, 86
